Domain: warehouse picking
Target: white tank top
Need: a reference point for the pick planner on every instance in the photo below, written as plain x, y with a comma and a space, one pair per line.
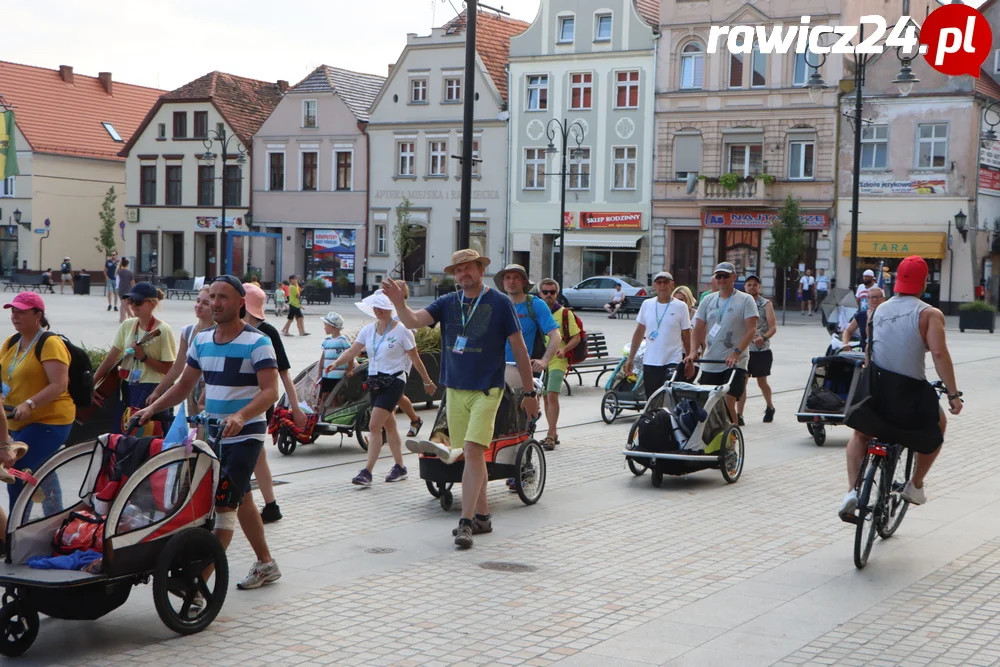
896, 343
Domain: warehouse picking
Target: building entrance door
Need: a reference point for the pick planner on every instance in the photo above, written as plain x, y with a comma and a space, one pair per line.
415, 264
685, 256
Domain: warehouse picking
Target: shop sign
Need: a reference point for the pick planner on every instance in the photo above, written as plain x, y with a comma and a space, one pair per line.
453, 195
928, 185
334, 240
989, 168
212, 222
611, 221
761, 219
568, 220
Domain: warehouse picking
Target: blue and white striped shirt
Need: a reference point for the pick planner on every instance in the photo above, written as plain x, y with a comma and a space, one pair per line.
230, 372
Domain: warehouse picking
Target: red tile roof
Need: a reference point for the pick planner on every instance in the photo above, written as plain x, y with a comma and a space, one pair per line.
65, 118
244, 103
493, 35
985, 85
650, 11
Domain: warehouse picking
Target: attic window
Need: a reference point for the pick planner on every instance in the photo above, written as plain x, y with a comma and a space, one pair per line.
112, 131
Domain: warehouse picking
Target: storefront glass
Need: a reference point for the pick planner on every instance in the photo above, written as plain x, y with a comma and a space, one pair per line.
8, 249
330, 255
610, 262
742, 248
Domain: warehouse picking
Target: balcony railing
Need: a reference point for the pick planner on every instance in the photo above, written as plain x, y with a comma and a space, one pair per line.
745, 190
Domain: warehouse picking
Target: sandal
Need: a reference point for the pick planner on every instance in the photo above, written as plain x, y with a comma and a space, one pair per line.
18, 449
549, 443
415, 427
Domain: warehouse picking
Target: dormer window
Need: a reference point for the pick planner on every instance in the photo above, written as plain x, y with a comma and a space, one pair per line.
567, 29
112, 131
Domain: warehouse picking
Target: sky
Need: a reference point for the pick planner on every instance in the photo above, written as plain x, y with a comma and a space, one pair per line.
166, 43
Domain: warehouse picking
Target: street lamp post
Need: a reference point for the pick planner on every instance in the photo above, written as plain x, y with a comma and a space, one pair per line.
994, 109
905, 80
563, 129
208, 159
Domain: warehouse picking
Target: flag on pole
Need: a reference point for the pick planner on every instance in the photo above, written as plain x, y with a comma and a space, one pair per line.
8, 151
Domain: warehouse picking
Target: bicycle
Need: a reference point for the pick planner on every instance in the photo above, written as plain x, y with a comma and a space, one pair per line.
881, 505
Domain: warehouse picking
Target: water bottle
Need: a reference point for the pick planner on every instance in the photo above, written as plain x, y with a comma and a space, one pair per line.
679, 435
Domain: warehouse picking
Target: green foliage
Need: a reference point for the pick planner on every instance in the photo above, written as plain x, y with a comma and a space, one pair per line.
729, 181
247, 276
977, 307
428, 340
342, 281
448, 282
316, 283
403, 238
182, 274
769, 179
787, 235
96, 355
106, 236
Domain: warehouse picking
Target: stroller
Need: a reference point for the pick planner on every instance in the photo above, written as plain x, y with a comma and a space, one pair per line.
830, 389
512, 454
346, 411
147, 511
685, 429
624, 392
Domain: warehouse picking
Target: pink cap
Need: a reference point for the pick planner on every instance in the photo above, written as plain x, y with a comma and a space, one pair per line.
27, 301
255, 300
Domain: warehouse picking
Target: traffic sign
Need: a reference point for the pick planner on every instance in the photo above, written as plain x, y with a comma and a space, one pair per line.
41, 231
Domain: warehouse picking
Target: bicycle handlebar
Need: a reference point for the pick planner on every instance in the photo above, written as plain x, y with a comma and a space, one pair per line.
9, 411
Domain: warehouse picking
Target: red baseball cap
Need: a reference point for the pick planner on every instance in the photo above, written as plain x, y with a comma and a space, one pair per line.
910, 276
27, 301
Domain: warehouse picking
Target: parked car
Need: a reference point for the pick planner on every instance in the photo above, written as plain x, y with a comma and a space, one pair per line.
597, 291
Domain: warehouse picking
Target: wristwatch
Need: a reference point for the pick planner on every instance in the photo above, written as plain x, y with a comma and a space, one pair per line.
531, 394
31, 404
738, 350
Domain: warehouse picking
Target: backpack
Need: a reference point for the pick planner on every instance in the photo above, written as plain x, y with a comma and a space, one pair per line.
81, 372
538, 348
80, 531
578, 353
656, 433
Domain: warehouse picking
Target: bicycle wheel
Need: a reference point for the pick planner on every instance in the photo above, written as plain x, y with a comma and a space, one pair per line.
869, 511
897, 505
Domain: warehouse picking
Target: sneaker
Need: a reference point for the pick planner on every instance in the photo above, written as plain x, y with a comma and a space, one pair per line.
740, 421
438, 449
848, 506
260, 574
768, 415
116, 309
479, 526
463, 535
512, 485
197, 605
363, 478
109, 307
397, 474
913, 494
270, 513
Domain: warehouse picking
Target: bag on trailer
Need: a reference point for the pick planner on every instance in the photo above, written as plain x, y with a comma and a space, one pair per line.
81, 531
655, 432
824, 400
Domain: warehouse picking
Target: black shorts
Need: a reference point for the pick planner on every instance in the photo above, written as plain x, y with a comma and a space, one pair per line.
326, 385
760, 364
237, 463
738, 385
388, 398
294, 312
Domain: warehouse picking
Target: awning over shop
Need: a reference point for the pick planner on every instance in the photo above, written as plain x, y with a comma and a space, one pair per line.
929, 245
602, 240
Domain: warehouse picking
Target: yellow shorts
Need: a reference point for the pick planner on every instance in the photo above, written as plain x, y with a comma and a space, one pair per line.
471, 415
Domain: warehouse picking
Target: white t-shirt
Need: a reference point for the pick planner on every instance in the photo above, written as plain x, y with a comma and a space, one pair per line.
387, 354
617, 296
862, 293
668, 321
806, 282
730, 314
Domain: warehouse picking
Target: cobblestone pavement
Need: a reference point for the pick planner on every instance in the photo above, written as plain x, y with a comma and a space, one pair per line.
617, 572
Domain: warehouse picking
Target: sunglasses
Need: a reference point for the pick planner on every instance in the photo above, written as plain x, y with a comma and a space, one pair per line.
723, 276
549, 291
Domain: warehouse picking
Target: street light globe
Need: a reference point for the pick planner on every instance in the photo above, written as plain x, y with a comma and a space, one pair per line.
816, 86
905, 79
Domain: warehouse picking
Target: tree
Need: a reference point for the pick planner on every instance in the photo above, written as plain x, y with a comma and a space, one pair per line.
106, 239
787, 242
403, 237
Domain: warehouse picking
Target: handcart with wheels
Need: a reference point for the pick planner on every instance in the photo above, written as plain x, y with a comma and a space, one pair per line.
513, 454
156, 527
624, 391
832, 383
686, 428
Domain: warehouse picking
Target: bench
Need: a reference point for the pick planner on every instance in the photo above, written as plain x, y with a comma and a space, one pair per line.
597, 361
20, 282
632, 305
182, 289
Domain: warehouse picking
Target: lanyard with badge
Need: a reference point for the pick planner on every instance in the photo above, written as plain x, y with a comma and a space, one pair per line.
461, 340
17, 360
378, 342
659, 319
136, 372
722, 313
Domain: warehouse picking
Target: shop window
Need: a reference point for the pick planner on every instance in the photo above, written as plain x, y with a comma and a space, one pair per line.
693, 66
932, 145
148, 252
874, 146
742, 248
608, 263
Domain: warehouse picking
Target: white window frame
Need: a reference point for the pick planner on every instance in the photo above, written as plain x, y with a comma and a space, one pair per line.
875, 141
627, 85
476, 145
800, 58
414, 88
933, 140
412, 154
538, 87
742, 57
580, 175
693, 59
306, 116
800, 168
597, 27
453, 84
628, 164
755, 53
381, 239
336, 170
535, 166
437, 151
161, 131
561, 24
745, 168
284, 175
7, 186
582, 86
302, 171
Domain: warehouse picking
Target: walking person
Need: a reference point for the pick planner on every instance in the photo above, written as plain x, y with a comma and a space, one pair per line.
126, 279
294, 307
616, 303
724, 327
143, 365
665, 324
822, 287
389, 343
807, 285
683, 293
66, 275
861, 293
240, 385
333, 346
536, 322
111, 280
477, 324
552, 380
203, 313
761, 358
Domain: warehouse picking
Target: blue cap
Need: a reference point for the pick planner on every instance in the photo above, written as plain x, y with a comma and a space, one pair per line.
142, 291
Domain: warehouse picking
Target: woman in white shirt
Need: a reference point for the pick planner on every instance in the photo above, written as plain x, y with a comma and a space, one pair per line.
391, 349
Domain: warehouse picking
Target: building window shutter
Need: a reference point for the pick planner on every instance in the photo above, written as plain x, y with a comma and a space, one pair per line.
687, 153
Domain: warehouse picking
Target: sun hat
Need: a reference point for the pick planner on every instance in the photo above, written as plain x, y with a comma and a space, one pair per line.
27, 301
663, 274
141, 291
334, 320
910, 275
725, 267
255, 300
376, 300
513, 268
464, 256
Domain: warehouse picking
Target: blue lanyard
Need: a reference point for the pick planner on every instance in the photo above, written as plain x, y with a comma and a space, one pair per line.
659, 317
720, 310
475, 304
378, 343
19, 359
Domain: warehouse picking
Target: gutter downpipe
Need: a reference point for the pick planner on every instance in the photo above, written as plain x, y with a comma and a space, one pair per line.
508, 238
834, 219
368, 180
651, 177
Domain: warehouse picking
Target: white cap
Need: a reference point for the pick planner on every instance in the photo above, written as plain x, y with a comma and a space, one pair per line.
868, 273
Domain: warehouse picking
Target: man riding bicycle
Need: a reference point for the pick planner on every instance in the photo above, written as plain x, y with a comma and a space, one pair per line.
903, 329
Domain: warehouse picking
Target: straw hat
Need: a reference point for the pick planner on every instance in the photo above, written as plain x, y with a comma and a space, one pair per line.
465, 256
376, 300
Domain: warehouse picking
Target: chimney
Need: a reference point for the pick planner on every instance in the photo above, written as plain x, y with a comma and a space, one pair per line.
282, 85
390, 68
66, 73
105, 79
